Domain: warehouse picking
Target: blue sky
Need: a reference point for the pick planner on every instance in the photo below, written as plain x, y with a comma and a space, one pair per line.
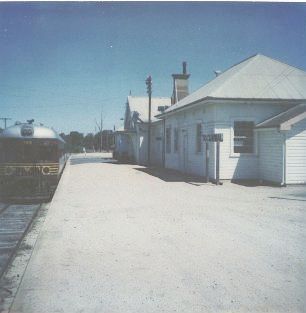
60, 63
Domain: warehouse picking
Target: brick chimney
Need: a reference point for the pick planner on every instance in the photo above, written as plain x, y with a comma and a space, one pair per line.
180, 85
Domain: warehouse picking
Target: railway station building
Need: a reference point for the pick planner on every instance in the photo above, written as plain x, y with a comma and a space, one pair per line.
132, 139
258, 106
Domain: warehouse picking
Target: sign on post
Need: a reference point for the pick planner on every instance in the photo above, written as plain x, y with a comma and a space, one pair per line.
213, 138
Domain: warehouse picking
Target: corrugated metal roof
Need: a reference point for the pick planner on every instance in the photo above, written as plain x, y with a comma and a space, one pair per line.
141, 105
279, 119
258, 77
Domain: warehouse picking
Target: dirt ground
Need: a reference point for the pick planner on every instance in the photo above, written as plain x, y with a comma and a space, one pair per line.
121, 238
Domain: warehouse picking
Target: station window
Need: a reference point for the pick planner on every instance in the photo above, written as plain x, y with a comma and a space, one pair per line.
176, 139
243, 137
168, 140
199, 137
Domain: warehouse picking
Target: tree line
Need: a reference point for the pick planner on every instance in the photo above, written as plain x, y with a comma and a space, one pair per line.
75, 141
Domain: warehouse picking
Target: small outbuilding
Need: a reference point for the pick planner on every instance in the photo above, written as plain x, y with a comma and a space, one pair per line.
282, 147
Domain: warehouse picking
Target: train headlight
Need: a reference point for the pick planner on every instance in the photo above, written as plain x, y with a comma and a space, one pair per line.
46, 170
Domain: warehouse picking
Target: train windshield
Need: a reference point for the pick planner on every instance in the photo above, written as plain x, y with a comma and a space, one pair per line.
29, 151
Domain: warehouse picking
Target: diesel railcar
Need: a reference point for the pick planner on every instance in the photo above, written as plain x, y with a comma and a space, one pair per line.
32, 158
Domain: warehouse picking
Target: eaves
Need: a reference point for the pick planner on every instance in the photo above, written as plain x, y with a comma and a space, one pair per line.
213, 100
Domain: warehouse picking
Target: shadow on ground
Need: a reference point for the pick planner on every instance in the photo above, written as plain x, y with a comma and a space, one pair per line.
254, 183
86, 160
24, 200
286, 198
172, 175
301, 194
249, 183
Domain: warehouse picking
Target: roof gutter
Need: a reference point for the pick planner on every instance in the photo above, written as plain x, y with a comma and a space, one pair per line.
284, 101
162, 115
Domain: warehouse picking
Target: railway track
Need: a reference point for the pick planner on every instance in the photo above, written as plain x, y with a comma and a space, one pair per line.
15, 220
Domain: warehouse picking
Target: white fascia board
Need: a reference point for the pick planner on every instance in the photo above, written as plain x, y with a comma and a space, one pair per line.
265, 129
288, 124
224, 101
186, 107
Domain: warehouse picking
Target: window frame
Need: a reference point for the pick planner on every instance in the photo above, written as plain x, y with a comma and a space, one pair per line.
238, 154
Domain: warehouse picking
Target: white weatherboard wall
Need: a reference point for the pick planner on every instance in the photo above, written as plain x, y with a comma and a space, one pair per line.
142, 141
157, 143
172, 158
270, 153
187, 159
218, 118
235, 165
296, 154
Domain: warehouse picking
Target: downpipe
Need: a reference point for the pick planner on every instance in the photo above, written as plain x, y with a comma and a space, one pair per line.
283, 183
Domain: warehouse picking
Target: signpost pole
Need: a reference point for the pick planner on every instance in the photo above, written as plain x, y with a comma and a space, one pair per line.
218, 164
213, 138
207, 161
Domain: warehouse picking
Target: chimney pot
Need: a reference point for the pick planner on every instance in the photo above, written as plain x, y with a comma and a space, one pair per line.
217, 72
180, 85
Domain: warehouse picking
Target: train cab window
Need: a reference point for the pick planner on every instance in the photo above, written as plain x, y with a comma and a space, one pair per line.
12, 151
30, 151
47, 152
27, 154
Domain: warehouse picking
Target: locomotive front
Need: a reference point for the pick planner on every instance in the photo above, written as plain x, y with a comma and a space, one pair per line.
31, 159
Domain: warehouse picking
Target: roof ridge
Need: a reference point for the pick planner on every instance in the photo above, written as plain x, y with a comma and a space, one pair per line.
292, 86
285, 72
276, 81
250, 57
256, 55
247, 68
214, 78
281, 62
248, 60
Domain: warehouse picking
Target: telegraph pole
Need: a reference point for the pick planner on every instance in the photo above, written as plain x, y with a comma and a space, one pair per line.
100, 127
149, 91
101, 138
5, 119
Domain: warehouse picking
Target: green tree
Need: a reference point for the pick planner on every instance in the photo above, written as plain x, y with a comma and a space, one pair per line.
89, 142
74, 141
